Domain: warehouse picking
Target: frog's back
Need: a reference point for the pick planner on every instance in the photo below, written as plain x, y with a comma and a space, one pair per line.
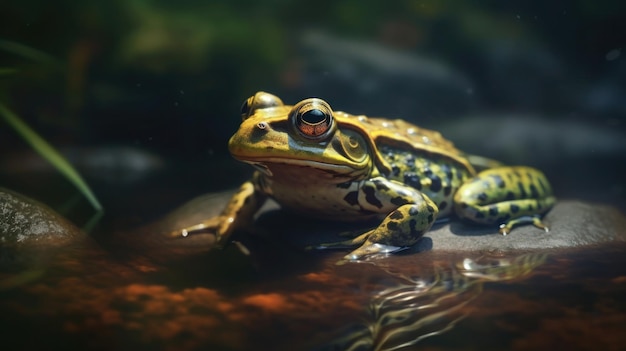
398, 134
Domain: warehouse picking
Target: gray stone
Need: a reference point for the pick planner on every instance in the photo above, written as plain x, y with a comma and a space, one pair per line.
30, 231
572, 224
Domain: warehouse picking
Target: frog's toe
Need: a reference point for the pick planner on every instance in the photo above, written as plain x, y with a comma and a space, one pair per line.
370, 250
359, 240
539, 224
506, 228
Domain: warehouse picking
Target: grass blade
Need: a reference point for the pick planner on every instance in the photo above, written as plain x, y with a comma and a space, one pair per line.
26, 52
49, 153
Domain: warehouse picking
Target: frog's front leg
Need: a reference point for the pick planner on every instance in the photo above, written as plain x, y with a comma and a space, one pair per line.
238, 213
506, 196
409, 215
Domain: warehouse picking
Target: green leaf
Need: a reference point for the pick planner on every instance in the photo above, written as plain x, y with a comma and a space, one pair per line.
26, 52
6, 71
49, 153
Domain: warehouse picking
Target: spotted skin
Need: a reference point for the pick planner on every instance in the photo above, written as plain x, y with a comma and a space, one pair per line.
334, 165
506, 196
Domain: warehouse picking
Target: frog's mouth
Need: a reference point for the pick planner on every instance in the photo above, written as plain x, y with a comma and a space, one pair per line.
261, 168
331, 169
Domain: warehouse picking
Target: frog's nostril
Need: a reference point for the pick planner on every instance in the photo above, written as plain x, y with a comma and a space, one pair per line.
261, 125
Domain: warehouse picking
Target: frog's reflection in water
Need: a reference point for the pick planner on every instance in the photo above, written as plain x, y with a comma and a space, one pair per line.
416, 308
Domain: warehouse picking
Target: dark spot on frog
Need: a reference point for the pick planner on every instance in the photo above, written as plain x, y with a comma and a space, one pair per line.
392, 225
436, 183
399, 201
345, 185
380, 185
514, 208
411, 179
447, 171
480, 215
396, 215
427, 172
395, 170
447, 190
459, 175
493, 210
543, 186
482, 197
510, 195
412, 224
370, 196
352, 198
430, 209
533, 192
443, 205
463, 205
430, 218
522, 191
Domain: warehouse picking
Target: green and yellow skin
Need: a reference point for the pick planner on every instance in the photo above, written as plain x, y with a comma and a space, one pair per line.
333, 165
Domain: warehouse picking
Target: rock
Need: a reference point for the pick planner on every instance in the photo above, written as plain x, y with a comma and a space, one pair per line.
572, 224
30, 231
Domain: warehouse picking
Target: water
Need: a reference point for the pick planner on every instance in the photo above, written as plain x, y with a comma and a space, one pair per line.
277, 299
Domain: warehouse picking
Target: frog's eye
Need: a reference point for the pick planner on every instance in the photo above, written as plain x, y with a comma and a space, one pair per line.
313, 118
258, 101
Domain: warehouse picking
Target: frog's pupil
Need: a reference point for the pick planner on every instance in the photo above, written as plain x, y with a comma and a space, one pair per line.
314, 116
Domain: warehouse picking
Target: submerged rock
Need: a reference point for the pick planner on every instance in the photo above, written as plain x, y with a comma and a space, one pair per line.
30, 231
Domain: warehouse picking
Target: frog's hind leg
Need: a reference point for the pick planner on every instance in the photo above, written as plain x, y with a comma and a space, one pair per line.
505, 196
400, 229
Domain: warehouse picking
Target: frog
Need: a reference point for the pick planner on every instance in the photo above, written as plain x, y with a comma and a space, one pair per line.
334, 165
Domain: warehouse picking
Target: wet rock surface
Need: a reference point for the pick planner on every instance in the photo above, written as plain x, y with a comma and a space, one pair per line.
30, 231
572, 224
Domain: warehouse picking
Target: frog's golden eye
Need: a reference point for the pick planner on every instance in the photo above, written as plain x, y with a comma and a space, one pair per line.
313, 118
258, 101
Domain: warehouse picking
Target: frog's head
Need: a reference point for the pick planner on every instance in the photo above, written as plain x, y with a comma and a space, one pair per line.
307, 136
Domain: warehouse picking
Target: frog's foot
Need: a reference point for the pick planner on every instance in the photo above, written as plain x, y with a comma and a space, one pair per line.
535, 220
237, 214
358, 240
402, 228
216, 225
367, 248
370, 250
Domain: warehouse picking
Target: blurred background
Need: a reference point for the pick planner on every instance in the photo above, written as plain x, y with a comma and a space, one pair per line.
142, 95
